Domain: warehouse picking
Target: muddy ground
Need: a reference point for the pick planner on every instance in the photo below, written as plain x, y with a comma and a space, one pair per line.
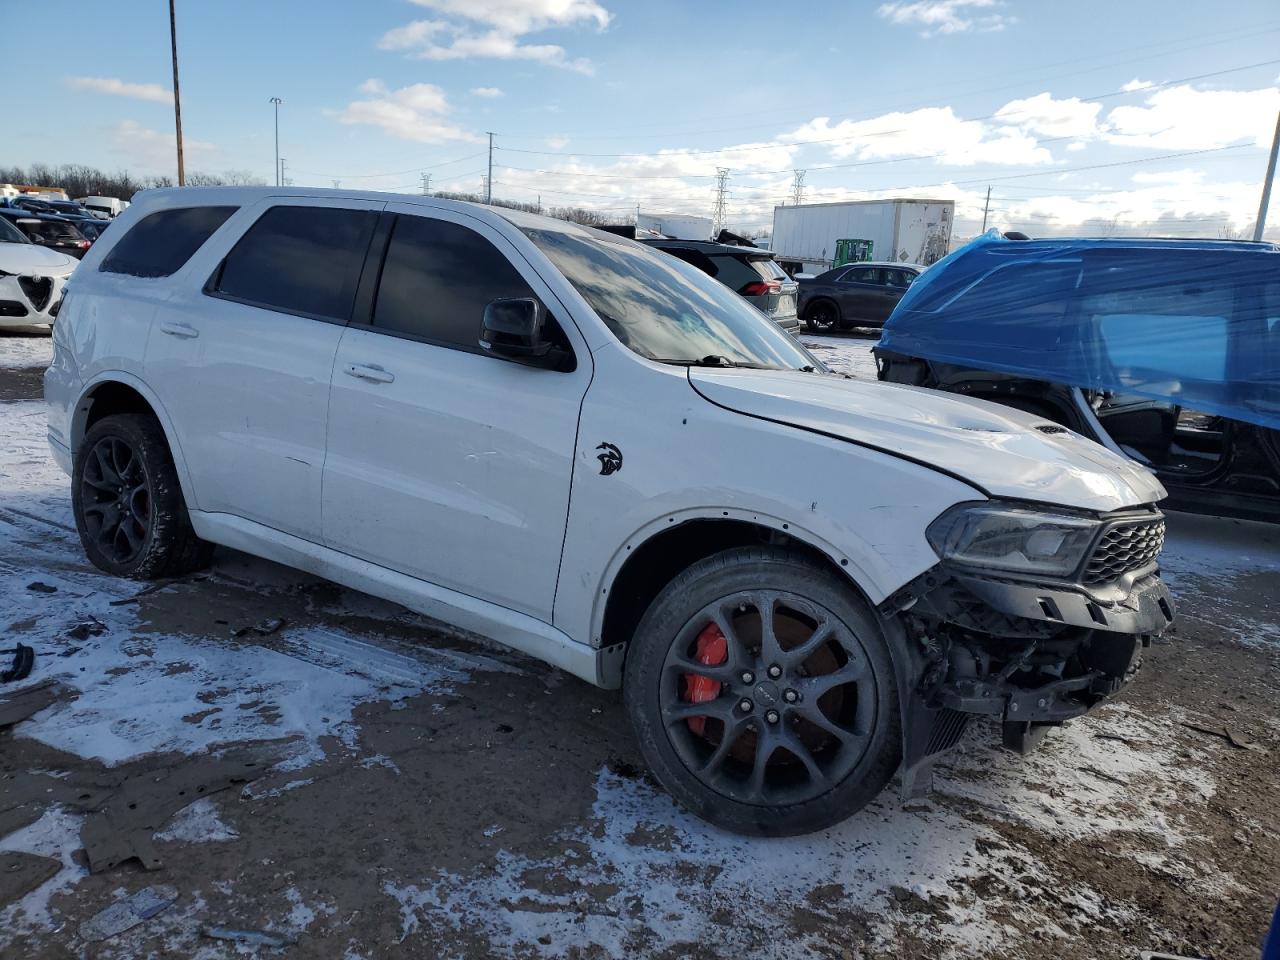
419, 793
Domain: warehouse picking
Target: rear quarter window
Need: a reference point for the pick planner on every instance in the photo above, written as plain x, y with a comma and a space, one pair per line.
160, 243
299, 259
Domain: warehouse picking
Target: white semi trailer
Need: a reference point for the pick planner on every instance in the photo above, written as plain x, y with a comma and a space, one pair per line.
807, 238
678, 226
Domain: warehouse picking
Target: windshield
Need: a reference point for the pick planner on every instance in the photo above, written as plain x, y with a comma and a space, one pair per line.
9, 233
666, 310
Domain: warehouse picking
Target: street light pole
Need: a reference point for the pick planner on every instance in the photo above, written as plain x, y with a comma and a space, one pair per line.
277, 101
1266, 184
177, 95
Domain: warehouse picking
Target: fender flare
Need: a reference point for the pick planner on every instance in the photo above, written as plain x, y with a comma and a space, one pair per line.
80, 413
848, 563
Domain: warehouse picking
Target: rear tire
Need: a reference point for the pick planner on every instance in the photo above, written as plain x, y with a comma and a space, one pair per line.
821, 736
128, 504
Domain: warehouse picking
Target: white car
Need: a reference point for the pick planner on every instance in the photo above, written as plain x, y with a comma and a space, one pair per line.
597, 454
32, 279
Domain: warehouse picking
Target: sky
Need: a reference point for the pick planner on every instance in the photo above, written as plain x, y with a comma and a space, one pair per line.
1122, 117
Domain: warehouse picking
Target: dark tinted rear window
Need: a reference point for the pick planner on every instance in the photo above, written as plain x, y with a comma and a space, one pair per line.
303, 260
160, 243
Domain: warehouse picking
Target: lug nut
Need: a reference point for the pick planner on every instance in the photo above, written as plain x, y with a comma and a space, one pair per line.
775, 671
771, 716
745, 705
748, 677
790, 696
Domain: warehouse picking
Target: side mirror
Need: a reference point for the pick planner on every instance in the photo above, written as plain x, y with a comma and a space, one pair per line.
514, 329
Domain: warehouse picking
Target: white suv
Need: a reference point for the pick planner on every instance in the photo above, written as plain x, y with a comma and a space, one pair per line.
595, 453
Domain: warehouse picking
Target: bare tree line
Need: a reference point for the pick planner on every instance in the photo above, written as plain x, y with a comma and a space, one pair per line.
79, 180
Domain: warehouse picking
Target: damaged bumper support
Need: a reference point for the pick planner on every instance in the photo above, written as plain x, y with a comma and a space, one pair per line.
1030, 655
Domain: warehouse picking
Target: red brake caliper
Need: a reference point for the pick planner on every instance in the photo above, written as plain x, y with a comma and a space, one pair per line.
713, 650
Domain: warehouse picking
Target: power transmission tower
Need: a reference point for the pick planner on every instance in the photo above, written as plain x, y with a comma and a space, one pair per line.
797, 187
284, 182
426, 184
488, 181
337, 184
722, 192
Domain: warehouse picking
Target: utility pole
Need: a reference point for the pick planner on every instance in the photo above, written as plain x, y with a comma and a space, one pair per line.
539, 203
488, 181
797, 187
337, 184
177, 95
986, 206
277, 101
722, 192
426, 184
1266, 184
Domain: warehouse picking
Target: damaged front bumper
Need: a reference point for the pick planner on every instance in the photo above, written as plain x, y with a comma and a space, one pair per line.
1028, 654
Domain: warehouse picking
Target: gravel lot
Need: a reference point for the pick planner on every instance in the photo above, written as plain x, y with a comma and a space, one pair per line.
416, 790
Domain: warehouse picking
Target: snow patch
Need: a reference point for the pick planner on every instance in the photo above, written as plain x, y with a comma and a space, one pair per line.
198, 823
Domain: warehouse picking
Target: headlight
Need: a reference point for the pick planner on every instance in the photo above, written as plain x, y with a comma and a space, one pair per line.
994, 536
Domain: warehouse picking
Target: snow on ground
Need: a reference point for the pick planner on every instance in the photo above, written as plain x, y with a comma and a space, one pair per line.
198, 693
671, 870
24, 349
844, 353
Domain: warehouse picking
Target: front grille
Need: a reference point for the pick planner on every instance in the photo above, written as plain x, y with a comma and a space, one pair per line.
37, 289
1124, 548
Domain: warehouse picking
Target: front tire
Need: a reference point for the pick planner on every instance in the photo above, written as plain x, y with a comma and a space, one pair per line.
762, 693
128, 504
821, 315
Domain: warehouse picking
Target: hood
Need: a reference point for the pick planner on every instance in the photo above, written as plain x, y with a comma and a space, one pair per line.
995, 448
35, 260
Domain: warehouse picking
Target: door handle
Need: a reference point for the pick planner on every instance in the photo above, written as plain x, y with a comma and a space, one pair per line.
175, 329
373, 374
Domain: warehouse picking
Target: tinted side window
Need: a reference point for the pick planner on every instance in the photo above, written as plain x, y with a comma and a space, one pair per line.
303, 260
160, 243
735, 273
437, 279
864, 275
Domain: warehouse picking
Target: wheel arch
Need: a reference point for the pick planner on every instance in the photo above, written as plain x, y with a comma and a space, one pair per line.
114, 392
824, 298
660, 550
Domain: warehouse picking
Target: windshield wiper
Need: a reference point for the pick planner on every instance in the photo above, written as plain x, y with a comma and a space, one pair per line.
715, 360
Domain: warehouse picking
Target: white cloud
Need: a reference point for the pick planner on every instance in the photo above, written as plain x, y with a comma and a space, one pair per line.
924, 133
1047, 117
1136, 84
489, 92
154, 149
946, 16
494, 29
416, 112
120, 88
416, 33
522, 16
556, 143
1185, 118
